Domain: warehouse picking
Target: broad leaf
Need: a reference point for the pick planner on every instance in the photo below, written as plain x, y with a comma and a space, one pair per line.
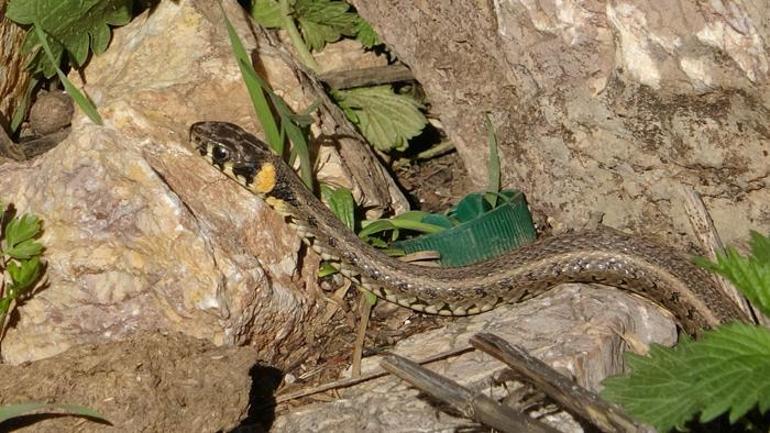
71, 25
267, 13
20, 229
728, 370
385, 118
324, 21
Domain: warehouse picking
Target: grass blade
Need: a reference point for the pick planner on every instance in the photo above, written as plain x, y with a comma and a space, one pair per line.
82, 100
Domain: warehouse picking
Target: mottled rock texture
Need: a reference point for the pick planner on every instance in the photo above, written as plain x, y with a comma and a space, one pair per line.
140, 232
603, 109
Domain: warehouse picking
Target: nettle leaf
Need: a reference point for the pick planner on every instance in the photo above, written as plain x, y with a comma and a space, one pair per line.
728, 370
324, 21
71, 25
267, 13
749, 274
385, 118
366, 34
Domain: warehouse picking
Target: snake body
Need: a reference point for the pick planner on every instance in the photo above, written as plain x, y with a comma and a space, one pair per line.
604, 256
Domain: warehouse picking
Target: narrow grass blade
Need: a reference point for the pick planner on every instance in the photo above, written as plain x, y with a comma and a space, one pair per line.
82, 100
16, 410
255, 88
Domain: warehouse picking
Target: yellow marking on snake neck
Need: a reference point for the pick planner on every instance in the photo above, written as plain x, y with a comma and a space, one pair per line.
265, 180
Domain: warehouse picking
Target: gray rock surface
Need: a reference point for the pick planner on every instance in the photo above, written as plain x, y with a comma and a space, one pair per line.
576, 329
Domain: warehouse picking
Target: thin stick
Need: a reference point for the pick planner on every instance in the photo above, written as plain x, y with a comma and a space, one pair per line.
366, 76
365, 307
558, 387
472, 405
345, 383
707, 235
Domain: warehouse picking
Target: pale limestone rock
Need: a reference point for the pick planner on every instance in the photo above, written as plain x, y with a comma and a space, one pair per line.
140, 232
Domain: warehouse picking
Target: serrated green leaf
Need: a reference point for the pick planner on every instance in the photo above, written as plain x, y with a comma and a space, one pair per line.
20, 229
267, 13
751, 275
343, 206
366, 34
70, 25
16, 410
324, 21
385, 118
760, 247
727, 370
24, 274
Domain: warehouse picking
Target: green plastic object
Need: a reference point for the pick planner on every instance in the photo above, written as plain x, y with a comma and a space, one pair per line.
506, 227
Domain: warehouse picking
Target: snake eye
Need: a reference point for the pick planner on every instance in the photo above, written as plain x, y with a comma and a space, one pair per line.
220, 153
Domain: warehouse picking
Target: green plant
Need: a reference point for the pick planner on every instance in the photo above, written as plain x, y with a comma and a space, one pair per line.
381, 233
288, 124
66, 30
311, 24
30, 408
726, 371
387, 119
20, 265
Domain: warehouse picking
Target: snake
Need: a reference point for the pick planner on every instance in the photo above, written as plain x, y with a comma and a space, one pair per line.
605, 256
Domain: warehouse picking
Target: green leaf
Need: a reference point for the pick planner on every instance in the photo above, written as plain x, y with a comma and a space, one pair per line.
385, 118
326, 269
440, 220
267, 13
343, 206
493, 166
24, 250
370, 297
16, 410
80, 99
23, 276
258, 88
71, 25
376, 226
366, 34
728, 370
324, 21
20, 229
749, 274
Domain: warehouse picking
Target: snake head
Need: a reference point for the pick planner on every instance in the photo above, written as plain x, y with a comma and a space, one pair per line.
237, 153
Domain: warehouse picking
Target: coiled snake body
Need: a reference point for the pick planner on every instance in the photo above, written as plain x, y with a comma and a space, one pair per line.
605, 256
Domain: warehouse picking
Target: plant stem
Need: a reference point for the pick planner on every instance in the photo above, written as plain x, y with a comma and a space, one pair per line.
296, 39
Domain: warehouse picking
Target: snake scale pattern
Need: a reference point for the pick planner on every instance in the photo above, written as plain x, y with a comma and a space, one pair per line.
604, 256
